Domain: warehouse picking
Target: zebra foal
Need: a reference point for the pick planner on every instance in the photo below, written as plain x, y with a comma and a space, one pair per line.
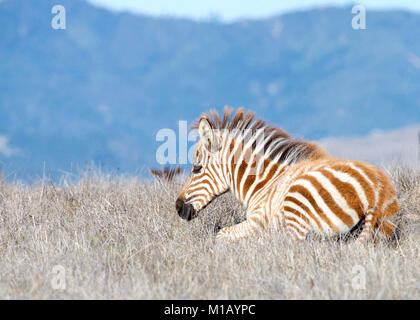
282, 181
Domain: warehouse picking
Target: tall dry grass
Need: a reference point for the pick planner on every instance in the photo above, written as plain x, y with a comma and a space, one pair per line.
120, 238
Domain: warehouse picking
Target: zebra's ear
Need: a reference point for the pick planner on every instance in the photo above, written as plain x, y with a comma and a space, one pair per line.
208, 136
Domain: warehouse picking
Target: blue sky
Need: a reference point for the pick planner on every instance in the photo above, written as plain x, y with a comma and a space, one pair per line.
230, 10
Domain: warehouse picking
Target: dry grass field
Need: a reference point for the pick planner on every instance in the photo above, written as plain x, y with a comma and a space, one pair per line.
109, 237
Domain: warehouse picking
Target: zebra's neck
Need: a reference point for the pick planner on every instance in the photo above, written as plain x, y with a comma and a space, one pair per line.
247, 170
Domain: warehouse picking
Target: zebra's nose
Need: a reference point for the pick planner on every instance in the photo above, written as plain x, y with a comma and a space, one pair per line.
179, 204
185, 210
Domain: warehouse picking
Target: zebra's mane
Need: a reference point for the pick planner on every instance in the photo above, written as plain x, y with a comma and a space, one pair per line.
279, 145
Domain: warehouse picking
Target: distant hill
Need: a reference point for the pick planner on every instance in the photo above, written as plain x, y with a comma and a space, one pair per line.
101, 89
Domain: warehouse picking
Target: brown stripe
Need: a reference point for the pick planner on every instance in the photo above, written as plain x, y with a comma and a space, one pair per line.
248, 183
196, 183
269, 176
298, 214
215, 174
222, 169
294, 227
242, 168
306, 209
305, 192
369, 191
209, 174
252, 177
235, 158
202, 202
329, 201
257, 221
196, 188
205, 193
347, 191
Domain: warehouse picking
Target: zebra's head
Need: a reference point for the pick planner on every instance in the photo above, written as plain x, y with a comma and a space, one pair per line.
206, 180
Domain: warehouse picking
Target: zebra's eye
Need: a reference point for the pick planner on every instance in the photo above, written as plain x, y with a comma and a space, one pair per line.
196, 168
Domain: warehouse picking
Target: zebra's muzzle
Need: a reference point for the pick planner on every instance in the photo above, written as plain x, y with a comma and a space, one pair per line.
185, 210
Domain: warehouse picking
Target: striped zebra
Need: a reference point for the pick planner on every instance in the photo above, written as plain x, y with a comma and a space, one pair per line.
283, 182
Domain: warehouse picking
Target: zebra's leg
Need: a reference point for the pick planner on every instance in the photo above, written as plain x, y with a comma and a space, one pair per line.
254, 224
295, 222
298, 228
368, 227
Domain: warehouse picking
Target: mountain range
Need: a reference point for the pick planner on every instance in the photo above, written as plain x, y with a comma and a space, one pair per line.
100, 90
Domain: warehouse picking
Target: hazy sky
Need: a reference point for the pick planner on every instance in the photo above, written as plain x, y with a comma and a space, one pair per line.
229, 10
